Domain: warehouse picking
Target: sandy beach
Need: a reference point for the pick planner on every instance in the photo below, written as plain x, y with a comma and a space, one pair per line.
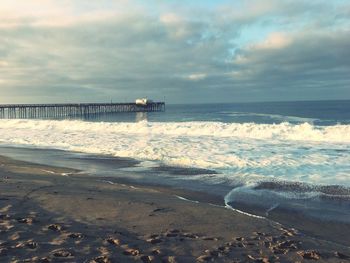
51, 214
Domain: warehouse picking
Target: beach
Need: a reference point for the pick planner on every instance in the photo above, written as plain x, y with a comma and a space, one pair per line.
54, 214
174, 131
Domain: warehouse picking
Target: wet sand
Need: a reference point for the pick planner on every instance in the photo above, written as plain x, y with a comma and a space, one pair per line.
50, 214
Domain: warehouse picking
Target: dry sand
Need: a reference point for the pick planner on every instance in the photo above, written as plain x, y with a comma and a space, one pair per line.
50, 214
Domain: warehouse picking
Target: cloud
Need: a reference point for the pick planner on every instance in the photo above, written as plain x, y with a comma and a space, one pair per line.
312, 64
275, 40
84, 51
197, 76
170, 18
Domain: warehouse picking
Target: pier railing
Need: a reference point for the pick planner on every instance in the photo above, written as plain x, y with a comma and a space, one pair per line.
32, 111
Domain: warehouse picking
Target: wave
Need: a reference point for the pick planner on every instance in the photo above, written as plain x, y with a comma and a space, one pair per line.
283, 131
277, 117
241, 153
327, 202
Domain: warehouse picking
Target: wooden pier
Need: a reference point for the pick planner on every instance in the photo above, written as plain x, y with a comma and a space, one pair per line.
33, 111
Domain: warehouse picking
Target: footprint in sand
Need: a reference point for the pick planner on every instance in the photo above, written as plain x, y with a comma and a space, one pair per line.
113, 241
189, 235
76, 235
131, 252
155, 240
6, 226
224, 249
57, 241
61, 253
14, 236
103, 251
55, 227
289, 244
3, 243
38, 260
210, 238
173, 233
279, 251
28, 220
259, 260
213, 253
147, 259
170, 259
5, 209
101, 259
309, 254
156, 252
5, 217
204, 258
31, 245
28, 244
259, 234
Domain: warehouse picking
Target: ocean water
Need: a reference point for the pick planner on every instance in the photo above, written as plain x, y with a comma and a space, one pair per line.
294, 155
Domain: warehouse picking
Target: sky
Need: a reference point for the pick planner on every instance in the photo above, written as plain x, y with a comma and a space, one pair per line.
196, 51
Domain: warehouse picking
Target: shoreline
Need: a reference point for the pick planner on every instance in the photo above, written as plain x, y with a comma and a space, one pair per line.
264, 200
64, 216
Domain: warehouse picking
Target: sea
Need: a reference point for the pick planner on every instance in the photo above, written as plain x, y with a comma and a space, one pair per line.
271, 155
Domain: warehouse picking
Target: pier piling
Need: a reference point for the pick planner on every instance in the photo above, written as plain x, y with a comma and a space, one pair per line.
42, 111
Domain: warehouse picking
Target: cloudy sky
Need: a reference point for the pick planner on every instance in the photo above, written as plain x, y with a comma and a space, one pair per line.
186, 51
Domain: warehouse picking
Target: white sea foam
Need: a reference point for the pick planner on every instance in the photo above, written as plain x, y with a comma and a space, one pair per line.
185, 199
52, 172
277, 117
283, 131
106, 181
244, 213
246, 152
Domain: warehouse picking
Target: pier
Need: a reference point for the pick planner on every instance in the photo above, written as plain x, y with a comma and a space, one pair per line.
36, 111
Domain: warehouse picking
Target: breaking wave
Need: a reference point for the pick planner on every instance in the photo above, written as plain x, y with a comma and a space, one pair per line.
239, 152
283, 131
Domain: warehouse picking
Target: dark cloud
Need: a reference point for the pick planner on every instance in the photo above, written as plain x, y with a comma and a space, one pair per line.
185, 58
313, 66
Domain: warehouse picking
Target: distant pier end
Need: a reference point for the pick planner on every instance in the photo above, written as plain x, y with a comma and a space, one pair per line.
32, 111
